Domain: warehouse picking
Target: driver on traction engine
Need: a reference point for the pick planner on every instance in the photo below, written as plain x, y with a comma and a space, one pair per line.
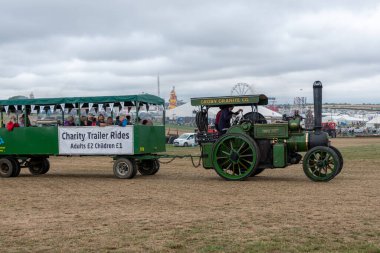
225, 118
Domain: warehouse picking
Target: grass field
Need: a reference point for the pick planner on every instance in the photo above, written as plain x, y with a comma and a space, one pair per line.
79, 206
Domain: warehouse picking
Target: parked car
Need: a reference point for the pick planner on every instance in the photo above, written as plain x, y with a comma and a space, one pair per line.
185, 140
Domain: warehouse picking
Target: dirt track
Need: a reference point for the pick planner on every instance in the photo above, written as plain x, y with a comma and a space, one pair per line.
80, 206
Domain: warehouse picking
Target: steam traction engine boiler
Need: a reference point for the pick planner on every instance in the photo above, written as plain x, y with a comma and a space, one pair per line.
251, 145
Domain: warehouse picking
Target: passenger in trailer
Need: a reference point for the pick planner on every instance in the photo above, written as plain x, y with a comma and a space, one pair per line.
123, 120
101, 122
69, 121
83, 120
109, 121
12, 123
22, 121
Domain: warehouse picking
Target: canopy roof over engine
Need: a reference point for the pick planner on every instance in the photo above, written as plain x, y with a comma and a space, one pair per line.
230, 100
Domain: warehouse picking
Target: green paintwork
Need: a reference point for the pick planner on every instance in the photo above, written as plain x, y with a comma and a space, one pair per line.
268, 131
207, 152
149, 139
69, 101
29, 141
230, 100
279, 155
295, 125
298, 142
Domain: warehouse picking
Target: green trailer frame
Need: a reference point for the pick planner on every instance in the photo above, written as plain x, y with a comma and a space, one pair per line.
31, 146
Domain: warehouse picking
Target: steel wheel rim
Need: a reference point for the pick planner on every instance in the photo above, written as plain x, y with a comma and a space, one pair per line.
122, 168
321, 165
4, 168
235, 157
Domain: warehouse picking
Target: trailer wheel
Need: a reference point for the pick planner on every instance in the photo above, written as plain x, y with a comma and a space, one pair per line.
321, 164
16, 166
235, 156
6, 167
149, 167
340, 158
38, 166
124, 168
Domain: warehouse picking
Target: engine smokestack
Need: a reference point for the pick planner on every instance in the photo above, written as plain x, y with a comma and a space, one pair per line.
317, 90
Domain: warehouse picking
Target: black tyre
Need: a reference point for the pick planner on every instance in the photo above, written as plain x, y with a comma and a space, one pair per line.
6, 167
340, 158
255, 117
257, 172
149, 167
124, 168
321, 164
38, 166
16, 165
185, 144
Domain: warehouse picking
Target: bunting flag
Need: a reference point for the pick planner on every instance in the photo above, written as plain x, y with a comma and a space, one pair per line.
22, 107
63, 107
122, 105
147, 107
52, 108
129, 108
32, 108
81, 105
111, 106
90, 106
6, 108
100, 107
74, 105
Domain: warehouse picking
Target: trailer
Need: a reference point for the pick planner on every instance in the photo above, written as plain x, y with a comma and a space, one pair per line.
31, 146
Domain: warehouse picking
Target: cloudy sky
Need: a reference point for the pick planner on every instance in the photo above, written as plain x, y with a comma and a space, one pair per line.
203, 48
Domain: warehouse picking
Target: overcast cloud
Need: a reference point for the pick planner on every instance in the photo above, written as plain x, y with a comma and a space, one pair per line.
87, 48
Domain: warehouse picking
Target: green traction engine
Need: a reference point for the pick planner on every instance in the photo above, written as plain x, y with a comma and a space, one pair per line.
252, 145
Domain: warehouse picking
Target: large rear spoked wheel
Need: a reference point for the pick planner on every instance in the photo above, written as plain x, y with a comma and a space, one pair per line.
235, 156
321, 164
124, 168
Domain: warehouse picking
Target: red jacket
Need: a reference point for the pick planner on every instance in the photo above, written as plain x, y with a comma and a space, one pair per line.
11, 125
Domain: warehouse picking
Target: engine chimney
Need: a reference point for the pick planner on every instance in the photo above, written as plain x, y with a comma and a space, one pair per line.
317, 90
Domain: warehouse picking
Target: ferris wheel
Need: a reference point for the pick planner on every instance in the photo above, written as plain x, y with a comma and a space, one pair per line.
241, 89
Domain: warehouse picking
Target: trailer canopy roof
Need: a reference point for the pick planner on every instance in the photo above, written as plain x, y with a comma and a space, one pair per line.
70, 102
230, 100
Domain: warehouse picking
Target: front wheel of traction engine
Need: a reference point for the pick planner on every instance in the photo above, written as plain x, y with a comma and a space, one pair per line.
235, 156
321, 164
124, 168
38, 166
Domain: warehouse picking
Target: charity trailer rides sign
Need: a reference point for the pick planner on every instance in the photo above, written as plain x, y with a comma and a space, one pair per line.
95, 140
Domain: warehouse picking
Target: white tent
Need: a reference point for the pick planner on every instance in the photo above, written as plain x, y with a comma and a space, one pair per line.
187, 110
375, 122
